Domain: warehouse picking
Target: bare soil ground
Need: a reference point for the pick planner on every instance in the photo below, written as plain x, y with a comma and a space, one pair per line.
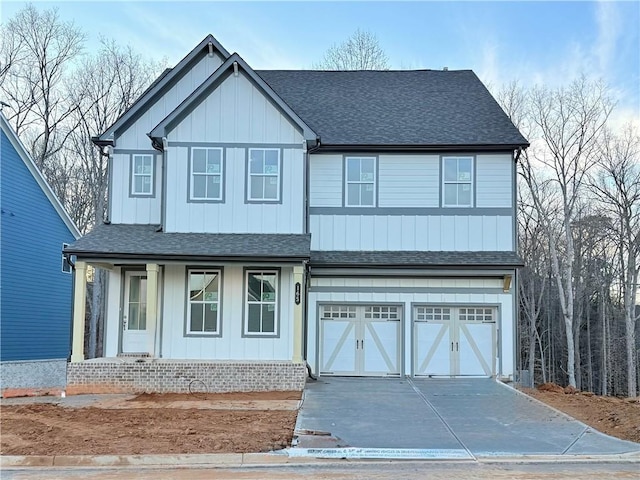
171, 423
618, 417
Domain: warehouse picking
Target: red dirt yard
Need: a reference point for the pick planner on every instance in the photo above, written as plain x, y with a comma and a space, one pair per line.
618, 417
152, 424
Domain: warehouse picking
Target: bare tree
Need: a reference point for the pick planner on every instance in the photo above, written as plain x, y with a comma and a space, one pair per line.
361, 51
45, 47
617, 186
101, 89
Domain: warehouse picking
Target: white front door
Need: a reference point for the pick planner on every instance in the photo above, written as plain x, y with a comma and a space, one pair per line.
454, 341
360, 340
135, 336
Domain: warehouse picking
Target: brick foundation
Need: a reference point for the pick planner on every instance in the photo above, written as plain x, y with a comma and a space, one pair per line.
182, 376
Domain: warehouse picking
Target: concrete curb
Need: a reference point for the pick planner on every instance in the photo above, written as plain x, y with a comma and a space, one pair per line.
237, 460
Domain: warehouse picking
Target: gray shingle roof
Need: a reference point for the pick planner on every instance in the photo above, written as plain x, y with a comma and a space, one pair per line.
416, 259
144, 241
417, 107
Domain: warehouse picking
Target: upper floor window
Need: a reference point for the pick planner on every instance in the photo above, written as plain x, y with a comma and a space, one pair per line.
457, 182
206, 179
261, 309
142, 175
360, 182
203, 316
264, 175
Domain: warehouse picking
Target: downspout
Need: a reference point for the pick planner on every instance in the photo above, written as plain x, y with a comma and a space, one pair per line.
307, 277
67, 257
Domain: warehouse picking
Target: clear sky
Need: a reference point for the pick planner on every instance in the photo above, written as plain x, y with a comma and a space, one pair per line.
543, 42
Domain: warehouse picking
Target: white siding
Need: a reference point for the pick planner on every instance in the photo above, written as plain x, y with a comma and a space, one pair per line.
236, 111
412, 232
231, 345
494, 178
135, 137
325, 180
408, 180
234, 215
126, 209
454, 294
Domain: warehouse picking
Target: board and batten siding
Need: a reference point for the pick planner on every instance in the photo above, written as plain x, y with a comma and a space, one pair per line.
128, 209
238, 112
36, 296
494, 180
234, 215
235, 116
455, 292
135, 136
231, 345
412, 232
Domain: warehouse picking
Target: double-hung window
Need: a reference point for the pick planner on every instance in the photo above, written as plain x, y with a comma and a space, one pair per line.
66, 266
203, 316
206, 179
360, 181
264, 175
261, 309
142, 175
457, 182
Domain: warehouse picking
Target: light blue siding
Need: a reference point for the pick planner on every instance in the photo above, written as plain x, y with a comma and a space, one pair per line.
408, 180
325, 180
494, 180
35, 316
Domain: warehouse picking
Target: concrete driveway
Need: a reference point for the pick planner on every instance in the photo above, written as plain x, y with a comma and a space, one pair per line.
453, 418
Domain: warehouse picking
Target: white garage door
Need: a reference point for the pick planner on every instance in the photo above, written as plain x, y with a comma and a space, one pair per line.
454, 341
360, 340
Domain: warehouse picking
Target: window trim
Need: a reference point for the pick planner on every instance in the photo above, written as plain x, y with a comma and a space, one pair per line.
132, 176
346, 181
187, 306
248, 175
245, 302
190, 175
471, 182
65, 261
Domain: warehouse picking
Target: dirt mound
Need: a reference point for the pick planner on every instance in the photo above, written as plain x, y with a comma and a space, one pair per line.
619, 417
551, 387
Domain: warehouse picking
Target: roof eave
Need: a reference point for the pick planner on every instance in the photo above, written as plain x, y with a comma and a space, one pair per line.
426, 266
420, 148
84, 254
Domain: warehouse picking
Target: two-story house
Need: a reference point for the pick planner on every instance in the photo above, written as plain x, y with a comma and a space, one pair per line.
363, 223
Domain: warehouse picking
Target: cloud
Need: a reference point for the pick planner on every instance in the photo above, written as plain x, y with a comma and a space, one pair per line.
609, 24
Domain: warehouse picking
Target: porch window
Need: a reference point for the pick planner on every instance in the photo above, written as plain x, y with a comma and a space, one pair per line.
203, 316
206, 179
457, 182
264, 176
360, 182
142, 175
261, 309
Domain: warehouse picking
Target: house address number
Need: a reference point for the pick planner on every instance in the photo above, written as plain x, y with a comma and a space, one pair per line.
297, 296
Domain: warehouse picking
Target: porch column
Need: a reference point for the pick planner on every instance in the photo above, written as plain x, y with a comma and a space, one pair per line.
152, 305
298, 274
79, 306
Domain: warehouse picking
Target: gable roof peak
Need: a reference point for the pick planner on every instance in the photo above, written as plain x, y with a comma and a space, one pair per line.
169, 75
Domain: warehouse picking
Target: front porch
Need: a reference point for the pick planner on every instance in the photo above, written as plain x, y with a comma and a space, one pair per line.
225, 313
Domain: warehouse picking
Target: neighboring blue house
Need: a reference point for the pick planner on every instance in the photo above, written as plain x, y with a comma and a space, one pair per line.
35, 280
